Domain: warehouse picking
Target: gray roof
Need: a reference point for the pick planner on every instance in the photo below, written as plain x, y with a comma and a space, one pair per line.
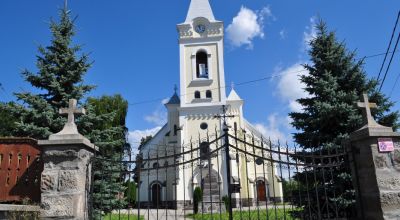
199, 8
174, 100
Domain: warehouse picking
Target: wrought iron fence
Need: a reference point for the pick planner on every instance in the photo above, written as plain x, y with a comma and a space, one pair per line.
228, 175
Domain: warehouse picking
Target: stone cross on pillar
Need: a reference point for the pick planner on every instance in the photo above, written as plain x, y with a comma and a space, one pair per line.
66, 176
70, 128
71, 111
366, 106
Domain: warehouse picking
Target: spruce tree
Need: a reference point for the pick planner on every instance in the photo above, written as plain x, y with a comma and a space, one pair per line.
61, 70
335, 82
60, 77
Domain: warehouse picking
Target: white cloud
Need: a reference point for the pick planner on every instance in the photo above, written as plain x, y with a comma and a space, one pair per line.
273, 128
283, 34
309, 33
290, 88
246, 26
164, 101
135, 136
159, 116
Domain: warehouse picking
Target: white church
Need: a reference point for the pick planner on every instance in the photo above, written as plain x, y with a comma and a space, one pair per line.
192, 122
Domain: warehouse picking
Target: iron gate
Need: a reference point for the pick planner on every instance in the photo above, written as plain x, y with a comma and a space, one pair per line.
226, 175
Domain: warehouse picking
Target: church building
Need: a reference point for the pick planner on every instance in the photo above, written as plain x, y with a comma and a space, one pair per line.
196, 120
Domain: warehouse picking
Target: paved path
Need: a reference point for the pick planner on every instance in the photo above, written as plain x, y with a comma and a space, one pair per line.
171, 214
161, 214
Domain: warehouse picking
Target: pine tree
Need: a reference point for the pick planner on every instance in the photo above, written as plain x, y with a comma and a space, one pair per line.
336, 81
60, 78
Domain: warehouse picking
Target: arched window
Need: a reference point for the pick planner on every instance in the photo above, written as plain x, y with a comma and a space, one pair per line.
204, 150
175, 130
208, 94
156, 165
197, 95
201, 64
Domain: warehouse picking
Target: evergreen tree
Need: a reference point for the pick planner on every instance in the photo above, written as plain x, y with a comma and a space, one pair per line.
59, 78
336, 81
7, 122
105, 126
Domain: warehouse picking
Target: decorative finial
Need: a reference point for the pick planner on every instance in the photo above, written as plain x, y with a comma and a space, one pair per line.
232, 85
175, 89
366, 106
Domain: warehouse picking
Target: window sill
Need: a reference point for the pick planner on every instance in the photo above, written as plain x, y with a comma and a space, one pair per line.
201, 82
201, 100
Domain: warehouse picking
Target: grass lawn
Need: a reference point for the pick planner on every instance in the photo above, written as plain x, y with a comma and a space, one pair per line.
245, 214
122, 217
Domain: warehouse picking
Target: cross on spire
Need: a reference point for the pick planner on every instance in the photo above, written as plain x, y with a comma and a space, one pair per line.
366, 106
224, 116
175, 89
71, 111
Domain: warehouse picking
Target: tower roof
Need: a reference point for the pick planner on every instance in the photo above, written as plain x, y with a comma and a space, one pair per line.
199, 8
233, 96
174, 100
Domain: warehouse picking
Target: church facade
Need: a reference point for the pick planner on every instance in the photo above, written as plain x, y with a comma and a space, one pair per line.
194, 118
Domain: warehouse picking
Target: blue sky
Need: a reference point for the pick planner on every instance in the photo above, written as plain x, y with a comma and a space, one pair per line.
135, 49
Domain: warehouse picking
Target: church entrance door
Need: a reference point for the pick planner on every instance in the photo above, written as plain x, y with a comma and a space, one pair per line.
261, 191
156, 194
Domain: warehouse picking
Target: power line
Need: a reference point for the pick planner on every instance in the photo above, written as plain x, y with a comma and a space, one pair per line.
390, 44
390, 62
395, 83
255, 80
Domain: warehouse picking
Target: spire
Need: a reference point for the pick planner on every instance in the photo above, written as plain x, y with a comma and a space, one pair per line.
233, 96
199, 8
174, 100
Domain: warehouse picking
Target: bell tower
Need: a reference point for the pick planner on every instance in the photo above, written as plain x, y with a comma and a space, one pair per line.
202, 79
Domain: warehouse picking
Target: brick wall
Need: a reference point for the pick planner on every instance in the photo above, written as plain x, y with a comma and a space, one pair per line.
20, 170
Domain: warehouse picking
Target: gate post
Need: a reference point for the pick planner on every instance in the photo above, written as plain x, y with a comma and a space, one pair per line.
228, 171
375, 159
66, 177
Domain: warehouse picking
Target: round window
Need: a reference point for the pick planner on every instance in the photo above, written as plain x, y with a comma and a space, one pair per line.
204, 126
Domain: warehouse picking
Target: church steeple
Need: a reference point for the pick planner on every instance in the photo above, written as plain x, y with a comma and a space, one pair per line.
201, 43
199, 8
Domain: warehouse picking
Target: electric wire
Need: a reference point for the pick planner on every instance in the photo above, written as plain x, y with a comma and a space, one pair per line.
390, 62
255, 80
394, 86
390, 44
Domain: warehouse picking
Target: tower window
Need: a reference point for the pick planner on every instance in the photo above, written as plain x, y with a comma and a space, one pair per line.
201, 64
197, 95
204, 126
208, 94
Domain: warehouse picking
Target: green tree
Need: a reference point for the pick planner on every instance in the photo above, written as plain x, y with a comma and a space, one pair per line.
130, 192
7, 121
105, 126
197, 198
61, 69
335, 82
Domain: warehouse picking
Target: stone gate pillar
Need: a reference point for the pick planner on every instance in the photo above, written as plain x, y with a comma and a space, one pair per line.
375, 159
66, 177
